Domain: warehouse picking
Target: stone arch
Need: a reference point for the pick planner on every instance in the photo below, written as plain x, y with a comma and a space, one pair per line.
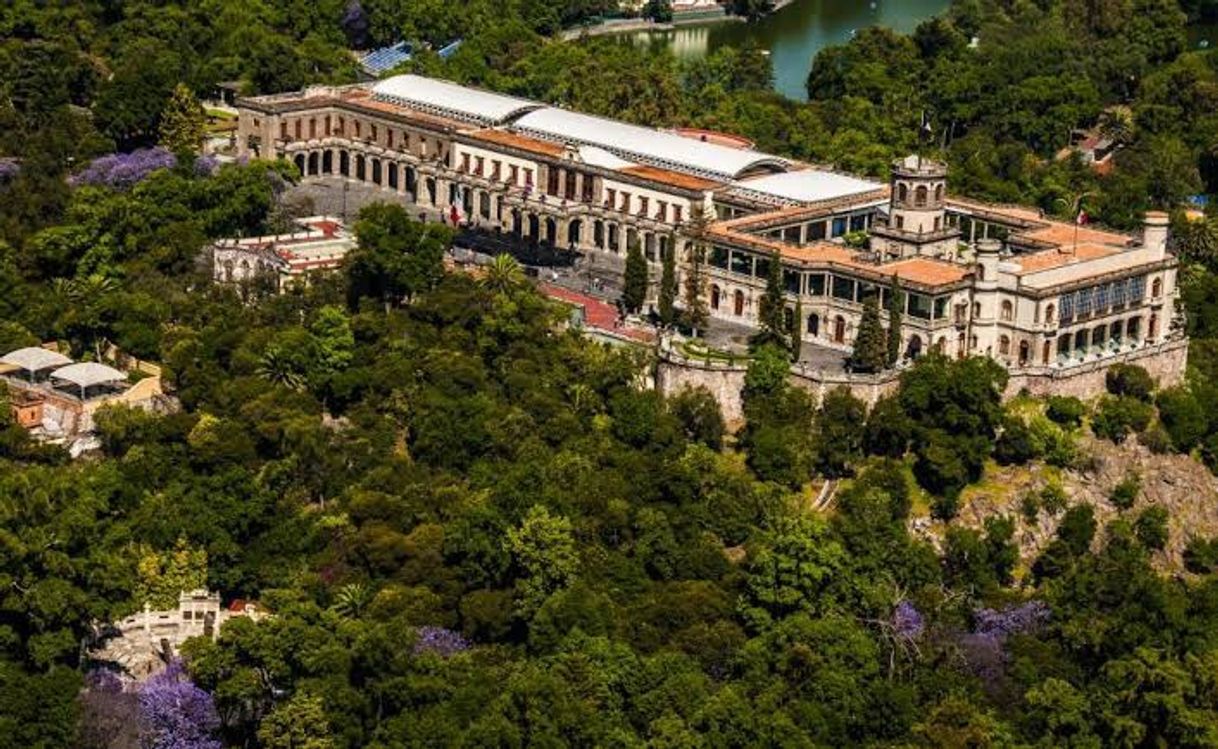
738, 303
1152, 330
1156, 288
551, 231
716, 293
1025, 353
914, 349
839, 329
432, 195
1050, 311
327, 162
484, 204
1133, 328
1116, 331
614, 238
412, 183
632, 236
1081, 340
1099, 334
344, 163
1008, 310
939, 193
902, 192
299, 160
361, 167
598, 234
575, 233
534, 226
813, 325
920, 196
314, 163
393, 180
376, 171
517, 223
1063, 345
228, 270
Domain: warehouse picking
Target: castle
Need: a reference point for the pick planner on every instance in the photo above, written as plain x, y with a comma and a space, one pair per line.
1051, 300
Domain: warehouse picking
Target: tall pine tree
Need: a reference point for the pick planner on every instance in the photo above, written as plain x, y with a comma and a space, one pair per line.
896, 305
634, 290
183, 121
796, 331
870, 344
668, 286
696, 312
772, 309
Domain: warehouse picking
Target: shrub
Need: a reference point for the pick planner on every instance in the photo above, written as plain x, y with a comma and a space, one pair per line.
1016, 444
1183, 417
1126, 492
1066, 410
1201, 555
1053, 498
1130, 380
1077, 528
1156, 439
1116, 417
1151, 528
1029, 507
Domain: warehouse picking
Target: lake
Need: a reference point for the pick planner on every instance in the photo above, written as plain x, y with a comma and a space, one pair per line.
796, 33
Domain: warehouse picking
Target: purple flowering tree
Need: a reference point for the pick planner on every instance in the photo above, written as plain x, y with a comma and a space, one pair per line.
443, 642
206, 166
176, 714
984, 648
9, 167
907, 622
124, 170
355, 24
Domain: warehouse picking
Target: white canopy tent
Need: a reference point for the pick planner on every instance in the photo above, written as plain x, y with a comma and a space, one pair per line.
33, 360
88, 374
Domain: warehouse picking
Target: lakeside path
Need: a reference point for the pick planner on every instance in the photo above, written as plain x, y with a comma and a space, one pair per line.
631, 25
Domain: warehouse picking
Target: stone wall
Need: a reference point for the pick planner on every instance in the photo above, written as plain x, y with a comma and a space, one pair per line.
1166, 362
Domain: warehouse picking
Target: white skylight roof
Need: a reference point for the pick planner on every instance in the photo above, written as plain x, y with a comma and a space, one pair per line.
808, 185
655, 147
451, 100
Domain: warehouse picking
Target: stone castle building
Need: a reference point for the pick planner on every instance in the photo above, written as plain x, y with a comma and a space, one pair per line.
1046, 298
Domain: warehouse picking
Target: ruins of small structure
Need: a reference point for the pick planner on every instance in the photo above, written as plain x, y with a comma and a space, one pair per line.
141, 644
55, 398
319, 245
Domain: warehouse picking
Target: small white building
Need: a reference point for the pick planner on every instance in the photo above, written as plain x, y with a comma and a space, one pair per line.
320, 245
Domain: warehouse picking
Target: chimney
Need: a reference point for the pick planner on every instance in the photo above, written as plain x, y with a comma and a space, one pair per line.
1154, 234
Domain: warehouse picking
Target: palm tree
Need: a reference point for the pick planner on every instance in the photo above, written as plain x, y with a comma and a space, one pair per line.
350, 600
1198, 242
503, 274
276, 368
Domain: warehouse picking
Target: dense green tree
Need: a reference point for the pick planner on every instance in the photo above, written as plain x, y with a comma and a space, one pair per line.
397, 257
772, 308
634, 289
666, 304
896, 307
870, 353
182, 122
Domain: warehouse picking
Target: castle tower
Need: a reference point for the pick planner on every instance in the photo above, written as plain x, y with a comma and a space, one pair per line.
917, 212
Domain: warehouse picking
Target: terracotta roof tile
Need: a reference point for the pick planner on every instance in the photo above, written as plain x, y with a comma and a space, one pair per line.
668, 177
522, 142
1048, 259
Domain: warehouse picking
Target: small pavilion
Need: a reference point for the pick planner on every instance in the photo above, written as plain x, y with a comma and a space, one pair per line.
35, 363
88, 379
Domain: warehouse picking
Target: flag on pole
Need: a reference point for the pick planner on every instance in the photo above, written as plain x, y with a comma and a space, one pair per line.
454, 215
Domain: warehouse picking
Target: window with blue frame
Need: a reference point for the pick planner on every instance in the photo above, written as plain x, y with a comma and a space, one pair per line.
1120, 292
1082, 304
858, 222
1065, 307
1137, 289
1100, 296
839, 226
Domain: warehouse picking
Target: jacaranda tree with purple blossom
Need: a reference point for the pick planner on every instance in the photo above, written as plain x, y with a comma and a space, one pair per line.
440, 641
124, 170
176, 714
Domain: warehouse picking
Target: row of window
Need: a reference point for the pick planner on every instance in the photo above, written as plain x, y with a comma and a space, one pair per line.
826, 284
839, 226
477, 166
1101, 299
624, 201
327, 126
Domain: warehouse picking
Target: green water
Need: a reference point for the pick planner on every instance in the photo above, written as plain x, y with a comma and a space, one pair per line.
797, 32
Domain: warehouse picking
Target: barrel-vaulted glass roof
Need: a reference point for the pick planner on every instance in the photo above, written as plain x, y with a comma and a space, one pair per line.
644, 144
451, 100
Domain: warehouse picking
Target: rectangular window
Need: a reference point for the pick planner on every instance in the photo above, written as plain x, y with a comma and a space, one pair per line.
514, 174
588, 188
839, 226
465, 163
357, 128
1102, 296
297, 129
816, 284
843, 288
389, 137
1137, 289
718, 257
643, 206
790, 235
742, 263
479, 165
864, 290
792, 281
528, 177
283, 131
495, 169
327, 125
918, 305
372, 130
941, 307
816, 232
676, 214
661, 210
312, 128
1065, 305
625, 202
1120, 292
1083, 304
858, 222
761, 267
611, 197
